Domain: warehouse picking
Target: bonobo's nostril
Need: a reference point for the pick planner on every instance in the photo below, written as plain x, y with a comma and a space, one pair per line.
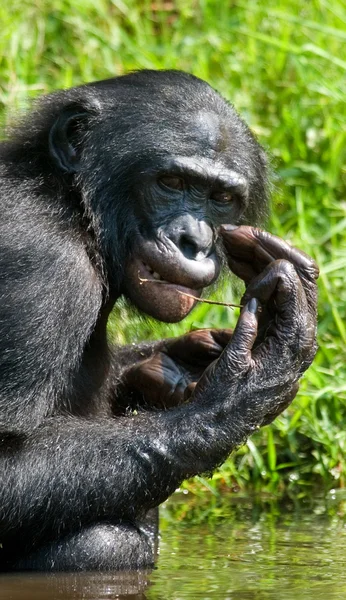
193, 237
197, 243
188, 246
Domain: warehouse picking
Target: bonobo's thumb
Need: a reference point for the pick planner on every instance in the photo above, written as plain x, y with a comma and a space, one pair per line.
234, 360
238, 352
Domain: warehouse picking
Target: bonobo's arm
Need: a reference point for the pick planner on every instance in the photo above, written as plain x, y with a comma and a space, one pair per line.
71, 472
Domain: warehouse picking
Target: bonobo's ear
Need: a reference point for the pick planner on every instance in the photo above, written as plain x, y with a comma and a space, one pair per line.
63, 137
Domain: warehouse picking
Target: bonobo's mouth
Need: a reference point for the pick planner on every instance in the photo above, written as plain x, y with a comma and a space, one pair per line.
160, 279
164, 300
153, 274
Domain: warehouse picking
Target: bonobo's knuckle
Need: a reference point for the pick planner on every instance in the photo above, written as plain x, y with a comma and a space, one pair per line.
245, 333
280, 248
238, 355
308, 357
221, 336
261, 236
304, 264
200, 346
285, 268
311, 271
239, 358
288, 279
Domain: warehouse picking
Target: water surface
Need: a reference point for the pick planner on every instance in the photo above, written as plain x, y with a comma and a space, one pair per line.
247, 554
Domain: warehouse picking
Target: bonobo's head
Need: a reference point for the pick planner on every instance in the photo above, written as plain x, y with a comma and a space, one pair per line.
160, 160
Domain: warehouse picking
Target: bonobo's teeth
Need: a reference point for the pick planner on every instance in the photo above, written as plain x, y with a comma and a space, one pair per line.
153, 273
148, 268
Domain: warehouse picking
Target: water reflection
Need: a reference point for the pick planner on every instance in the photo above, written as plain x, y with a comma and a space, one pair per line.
86, 586
245, 553
286, 553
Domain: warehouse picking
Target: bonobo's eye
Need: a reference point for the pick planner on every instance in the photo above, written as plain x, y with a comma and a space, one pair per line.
173, 182
223, 197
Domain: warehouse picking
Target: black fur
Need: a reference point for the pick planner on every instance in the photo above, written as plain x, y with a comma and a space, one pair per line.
77, 482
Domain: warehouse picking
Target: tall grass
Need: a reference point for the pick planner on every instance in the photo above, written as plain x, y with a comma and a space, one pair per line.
283, 65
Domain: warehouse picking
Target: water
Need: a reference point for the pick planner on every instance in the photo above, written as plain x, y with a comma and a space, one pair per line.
248, 554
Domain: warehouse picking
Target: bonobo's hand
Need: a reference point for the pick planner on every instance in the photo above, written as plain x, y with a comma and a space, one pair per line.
283, 279
249, 251
168, 377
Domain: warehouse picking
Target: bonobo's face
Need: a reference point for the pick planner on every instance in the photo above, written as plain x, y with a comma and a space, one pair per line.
179, 207
160, 161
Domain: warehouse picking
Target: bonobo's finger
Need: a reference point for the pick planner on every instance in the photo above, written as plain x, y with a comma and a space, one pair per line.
243, 270
293, 329
159, 380
246, 255
189, 390
307, 269
238, 352
251, 244
250, 250
236, 358
199, 347
278, 279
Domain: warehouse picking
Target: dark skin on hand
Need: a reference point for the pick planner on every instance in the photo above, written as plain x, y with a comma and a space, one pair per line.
282, 279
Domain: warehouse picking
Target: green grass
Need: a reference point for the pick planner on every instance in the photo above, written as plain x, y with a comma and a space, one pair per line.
285, 71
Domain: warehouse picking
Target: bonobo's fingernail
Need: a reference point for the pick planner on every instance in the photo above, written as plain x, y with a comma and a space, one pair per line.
253, 306
229, 227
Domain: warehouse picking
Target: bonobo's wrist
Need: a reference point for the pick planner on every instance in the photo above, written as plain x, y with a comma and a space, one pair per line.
215, 432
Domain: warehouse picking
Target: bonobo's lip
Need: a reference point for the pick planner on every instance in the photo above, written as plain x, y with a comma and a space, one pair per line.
147, 275
164, 300
170, 276
163, 257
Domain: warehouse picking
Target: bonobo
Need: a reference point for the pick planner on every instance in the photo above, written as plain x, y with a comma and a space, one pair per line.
141, 177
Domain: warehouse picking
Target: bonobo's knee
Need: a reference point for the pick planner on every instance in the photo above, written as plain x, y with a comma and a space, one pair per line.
100, 547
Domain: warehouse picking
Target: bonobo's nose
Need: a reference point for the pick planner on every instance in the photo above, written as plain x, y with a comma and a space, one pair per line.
193, 237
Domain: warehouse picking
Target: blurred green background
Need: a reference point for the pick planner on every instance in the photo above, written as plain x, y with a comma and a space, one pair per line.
283, 66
